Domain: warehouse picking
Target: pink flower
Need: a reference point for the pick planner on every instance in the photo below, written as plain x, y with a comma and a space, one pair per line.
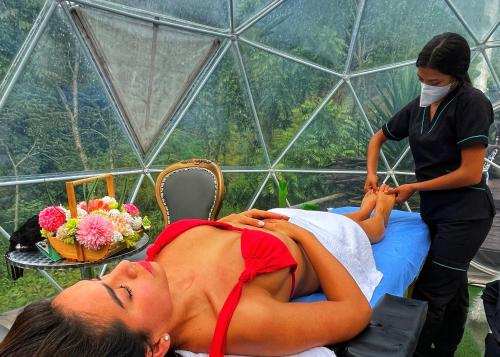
51, 218
94, 231
131, 209
83, 205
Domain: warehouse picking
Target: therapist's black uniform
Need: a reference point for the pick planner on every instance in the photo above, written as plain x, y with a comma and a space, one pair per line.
458, 219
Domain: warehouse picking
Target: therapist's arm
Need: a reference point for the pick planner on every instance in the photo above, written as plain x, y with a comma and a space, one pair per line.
468, 173
374, 146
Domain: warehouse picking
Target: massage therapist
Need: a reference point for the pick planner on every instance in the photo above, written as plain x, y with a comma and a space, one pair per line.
447, 127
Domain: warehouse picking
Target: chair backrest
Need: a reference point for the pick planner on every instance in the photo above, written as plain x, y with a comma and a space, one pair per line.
190, 189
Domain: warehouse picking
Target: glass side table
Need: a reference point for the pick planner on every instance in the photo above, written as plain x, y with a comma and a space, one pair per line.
36, 260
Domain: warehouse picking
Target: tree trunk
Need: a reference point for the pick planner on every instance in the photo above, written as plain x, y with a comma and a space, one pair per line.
74, 122
73, 115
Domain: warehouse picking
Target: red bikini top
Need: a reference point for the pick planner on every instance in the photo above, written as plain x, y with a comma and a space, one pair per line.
262, 253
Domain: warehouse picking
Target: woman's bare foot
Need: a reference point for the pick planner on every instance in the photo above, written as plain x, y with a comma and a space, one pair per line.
384, 203
368, 204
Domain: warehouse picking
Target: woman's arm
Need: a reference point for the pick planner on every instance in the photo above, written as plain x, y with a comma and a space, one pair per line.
468, 173
376, 142
253, 217
280, 328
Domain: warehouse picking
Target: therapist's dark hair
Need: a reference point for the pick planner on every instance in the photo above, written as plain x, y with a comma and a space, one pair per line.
45, 331
449, 53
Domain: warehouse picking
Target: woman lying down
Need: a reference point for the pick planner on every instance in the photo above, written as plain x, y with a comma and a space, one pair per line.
221, 288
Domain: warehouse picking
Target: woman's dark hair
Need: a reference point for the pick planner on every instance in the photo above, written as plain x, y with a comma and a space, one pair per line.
42, 330
449, 53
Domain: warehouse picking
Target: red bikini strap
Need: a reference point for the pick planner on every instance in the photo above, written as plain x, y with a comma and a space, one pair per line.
177, 228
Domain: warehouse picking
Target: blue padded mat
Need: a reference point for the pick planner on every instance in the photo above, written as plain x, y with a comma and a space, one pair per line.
398, 256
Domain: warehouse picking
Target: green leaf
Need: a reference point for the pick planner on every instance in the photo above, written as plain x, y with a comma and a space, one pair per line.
91, 192
124, 192
311, 207
51, 199
282, 193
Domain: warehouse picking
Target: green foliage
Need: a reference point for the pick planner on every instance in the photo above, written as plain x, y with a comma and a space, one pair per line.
311, 207
282, 193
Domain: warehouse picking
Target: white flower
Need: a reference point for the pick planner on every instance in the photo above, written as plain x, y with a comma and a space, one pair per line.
127, 216
67, 212
108, 200
81, 212
117, 236
114, 212
128, 231
136, 223
62, 232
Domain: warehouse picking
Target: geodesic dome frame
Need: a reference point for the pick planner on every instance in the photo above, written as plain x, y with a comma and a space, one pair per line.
269, 89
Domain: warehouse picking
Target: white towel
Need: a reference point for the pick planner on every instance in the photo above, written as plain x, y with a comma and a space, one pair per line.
345, 239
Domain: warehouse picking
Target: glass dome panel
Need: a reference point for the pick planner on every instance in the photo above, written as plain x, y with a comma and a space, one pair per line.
268, 197
214, 13
405, 159
481, 77
219, 125
496, 35
279, 87
395, 31
240, 189
382, 95
337, 138
299, 27
494, 56
16, 22
245, 9
57, 117
329, 190
480, 15
150, 67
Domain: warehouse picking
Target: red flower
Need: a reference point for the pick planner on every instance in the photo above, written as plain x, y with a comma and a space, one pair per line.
95, 205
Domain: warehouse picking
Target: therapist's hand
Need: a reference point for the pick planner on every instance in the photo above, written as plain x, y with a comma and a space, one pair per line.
402, 192
371, 182
253, 217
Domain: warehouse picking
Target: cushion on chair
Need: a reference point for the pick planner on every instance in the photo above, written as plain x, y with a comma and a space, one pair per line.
189, 193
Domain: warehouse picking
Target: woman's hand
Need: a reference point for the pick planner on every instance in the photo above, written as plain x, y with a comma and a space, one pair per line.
371, 182
291, 230
253, 217
402, 192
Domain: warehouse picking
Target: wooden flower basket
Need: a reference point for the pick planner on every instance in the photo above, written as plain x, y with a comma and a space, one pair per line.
76, 251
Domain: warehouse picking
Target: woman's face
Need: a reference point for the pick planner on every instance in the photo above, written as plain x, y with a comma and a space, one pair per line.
134, 293
433, 77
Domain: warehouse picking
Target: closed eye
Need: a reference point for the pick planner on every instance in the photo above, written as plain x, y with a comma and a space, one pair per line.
129, 291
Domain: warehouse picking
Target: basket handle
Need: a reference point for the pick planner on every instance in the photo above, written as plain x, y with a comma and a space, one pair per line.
70, 190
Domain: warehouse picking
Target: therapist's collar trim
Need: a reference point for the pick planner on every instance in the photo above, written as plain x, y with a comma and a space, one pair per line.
435, 121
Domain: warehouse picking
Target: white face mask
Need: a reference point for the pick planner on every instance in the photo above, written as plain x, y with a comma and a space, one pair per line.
432, 94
